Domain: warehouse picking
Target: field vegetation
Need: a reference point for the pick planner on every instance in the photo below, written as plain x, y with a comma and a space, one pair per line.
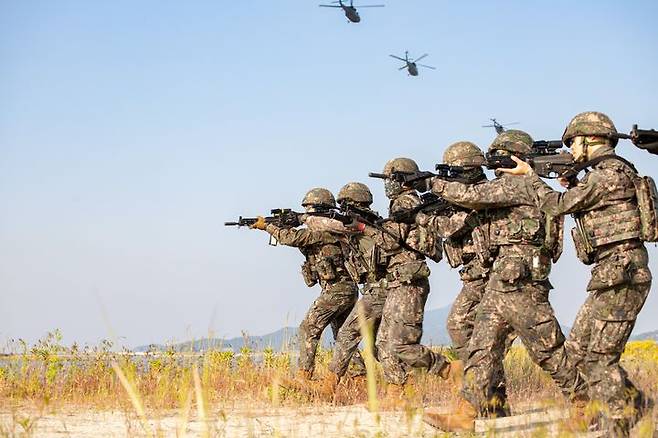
49, 377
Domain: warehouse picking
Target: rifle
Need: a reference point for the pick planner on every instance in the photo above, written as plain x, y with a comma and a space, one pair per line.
545, 158
287, 218
430, 204
283, 217
443, 171
646, 139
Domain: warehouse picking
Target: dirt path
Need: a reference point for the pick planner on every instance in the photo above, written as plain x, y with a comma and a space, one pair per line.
352, 421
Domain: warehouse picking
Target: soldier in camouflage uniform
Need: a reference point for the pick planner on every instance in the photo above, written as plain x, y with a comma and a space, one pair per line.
325, 264
516, 294
608, 235
364, 262
398, 340
465, 246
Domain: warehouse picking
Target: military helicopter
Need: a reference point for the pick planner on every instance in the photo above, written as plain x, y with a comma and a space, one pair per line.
411, 66
499, 127
350, 11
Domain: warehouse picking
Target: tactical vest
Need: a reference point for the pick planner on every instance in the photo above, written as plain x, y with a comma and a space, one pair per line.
324, 264
619, 220
521, 224
363, 259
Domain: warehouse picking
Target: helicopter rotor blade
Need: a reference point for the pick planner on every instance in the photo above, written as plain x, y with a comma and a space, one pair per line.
427, 66
508, 124
397, 57
418, 59
488, 126
403, 67
329, 6
369, 6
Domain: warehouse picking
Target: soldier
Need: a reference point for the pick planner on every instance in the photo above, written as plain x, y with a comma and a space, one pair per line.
365, 263
608, 235
398, 340
465, 245
325, 265
516, 294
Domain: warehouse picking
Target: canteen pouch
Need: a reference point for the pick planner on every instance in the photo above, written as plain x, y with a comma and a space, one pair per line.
482, 244
309, 275
410, 272
584, 250
325, 269
647, 202
609, 273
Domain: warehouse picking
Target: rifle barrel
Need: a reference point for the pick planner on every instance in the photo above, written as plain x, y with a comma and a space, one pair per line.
378, 175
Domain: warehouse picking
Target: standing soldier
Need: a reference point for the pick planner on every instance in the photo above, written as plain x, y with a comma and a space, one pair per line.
466, 245
608, 235
366, 264
516, 294
325, 265
398, 340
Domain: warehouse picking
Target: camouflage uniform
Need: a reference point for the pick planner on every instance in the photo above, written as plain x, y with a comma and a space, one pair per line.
367, 270
516, 293
605, 207
398, 340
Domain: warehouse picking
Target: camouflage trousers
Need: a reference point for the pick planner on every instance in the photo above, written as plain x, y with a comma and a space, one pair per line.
460, 323
597, 340
349, 335
398, 340
330, 308
527, 312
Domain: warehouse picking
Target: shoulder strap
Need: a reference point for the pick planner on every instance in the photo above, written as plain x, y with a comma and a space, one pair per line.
591, 163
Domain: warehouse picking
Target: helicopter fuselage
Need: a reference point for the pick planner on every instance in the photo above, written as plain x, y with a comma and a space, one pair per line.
412, 68
351, 14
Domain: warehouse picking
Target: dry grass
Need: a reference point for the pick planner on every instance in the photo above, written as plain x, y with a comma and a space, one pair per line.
51, 377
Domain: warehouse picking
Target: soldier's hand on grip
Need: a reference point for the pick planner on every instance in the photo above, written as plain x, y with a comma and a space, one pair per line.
522, 168
259, 224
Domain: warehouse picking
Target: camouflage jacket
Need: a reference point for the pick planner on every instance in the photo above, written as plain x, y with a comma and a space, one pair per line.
605, 208
516, 227
325, 263
402, 264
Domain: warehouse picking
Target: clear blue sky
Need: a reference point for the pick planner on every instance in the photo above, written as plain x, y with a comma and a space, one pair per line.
129, 131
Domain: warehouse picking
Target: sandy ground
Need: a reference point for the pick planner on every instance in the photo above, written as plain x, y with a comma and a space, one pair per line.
352, 421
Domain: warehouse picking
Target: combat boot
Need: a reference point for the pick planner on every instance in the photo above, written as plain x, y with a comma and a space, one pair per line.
300, 381
462, 419
394, 399
453, 371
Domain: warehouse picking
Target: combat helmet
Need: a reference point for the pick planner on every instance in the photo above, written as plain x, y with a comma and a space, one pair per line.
319, 197
514, 141
400, 165
463, 153
590, 123
393, 188
355, 192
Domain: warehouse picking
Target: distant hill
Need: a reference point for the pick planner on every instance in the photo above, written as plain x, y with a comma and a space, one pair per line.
644, 336
434, 325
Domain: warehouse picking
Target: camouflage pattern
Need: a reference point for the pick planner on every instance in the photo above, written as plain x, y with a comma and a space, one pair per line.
319, 196
620, 280
590, 123
355, 192
463, 153
398, 339
512, 140
349, 335
393, 188
516, 294
324, 260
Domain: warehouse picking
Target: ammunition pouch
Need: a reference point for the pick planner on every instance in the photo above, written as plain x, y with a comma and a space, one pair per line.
411, 272
309, 275
647, 202
507, 271
325, 269
473, 271
540, 267
554, 242
425, 242
609, 273
584, 249
482, 244
454, 251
